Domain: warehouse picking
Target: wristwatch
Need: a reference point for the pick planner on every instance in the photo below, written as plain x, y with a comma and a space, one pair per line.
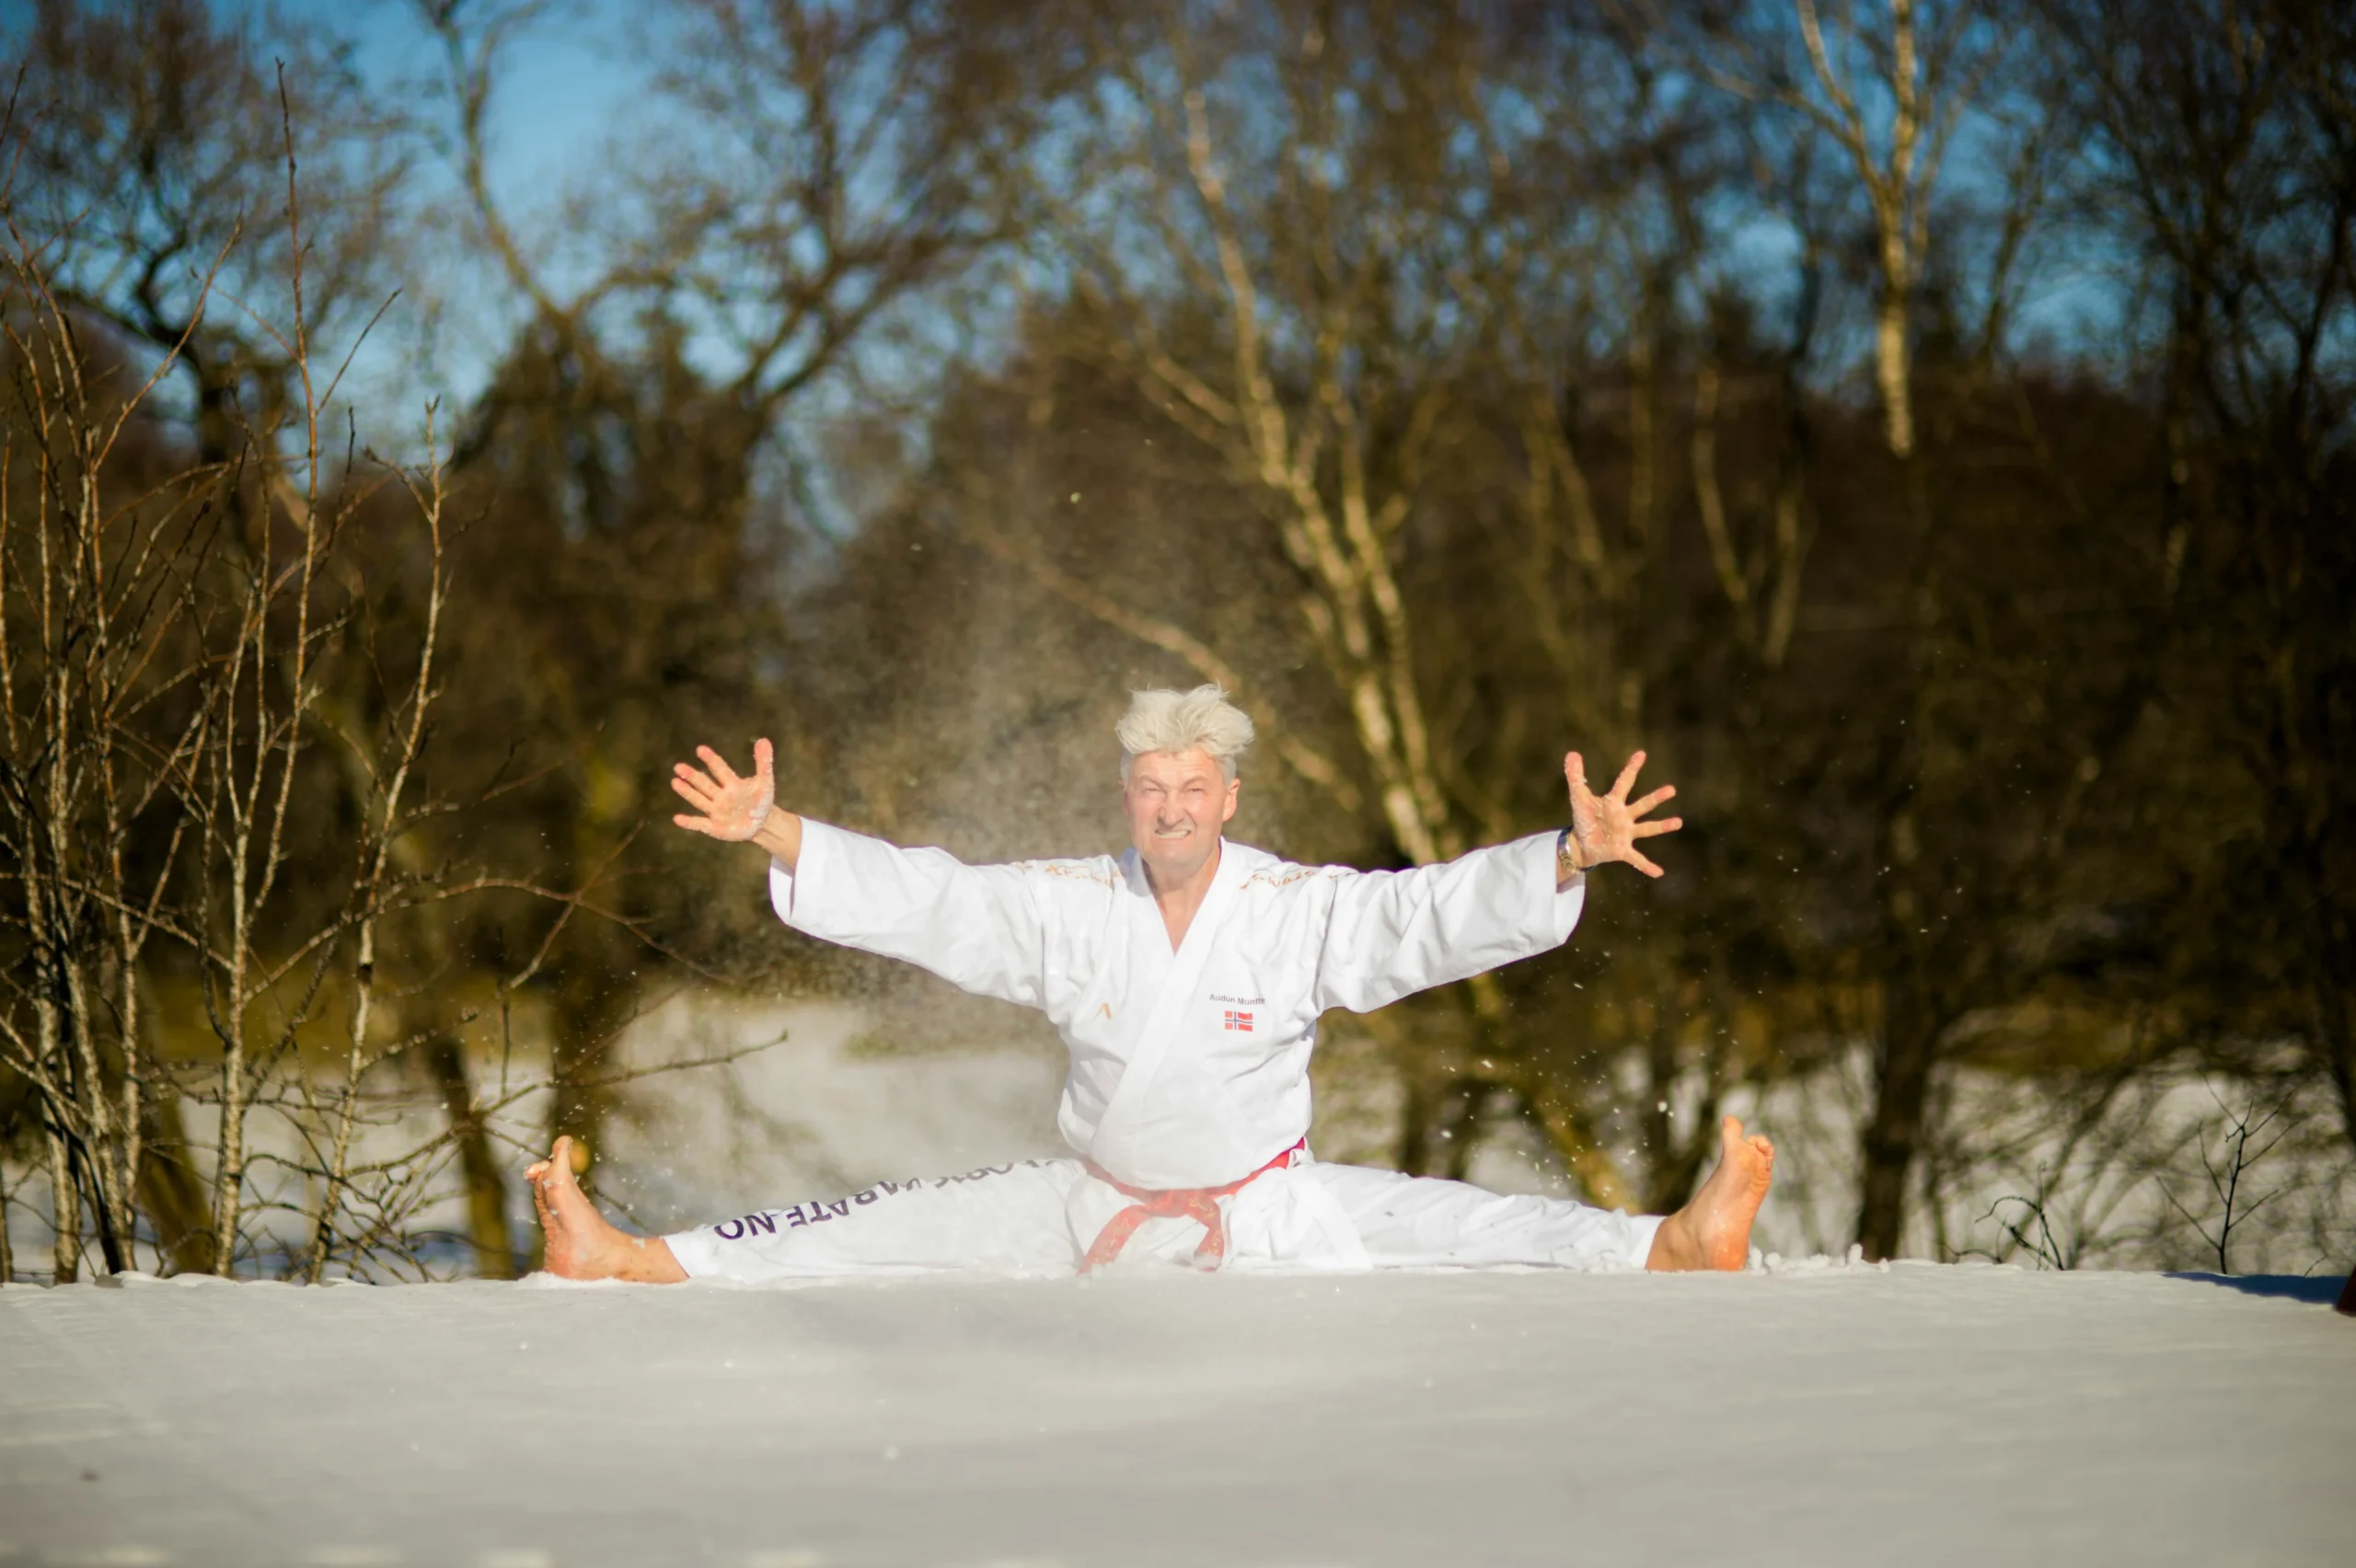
1567, 858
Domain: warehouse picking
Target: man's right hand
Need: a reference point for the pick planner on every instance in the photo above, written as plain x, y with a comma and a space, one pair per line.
737, 809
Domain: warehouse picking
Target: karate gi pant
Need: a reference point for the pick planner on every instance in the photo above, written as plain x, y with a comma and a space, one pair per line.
1038, 1217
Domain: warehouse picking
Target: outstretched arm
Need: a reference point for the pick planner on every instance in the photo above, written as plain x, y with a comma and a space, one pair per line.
1392, 933
735, 809
978, 926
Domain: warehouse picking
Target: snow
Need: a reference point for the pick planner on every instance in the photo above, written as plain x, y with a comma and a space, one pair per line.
1822, 1413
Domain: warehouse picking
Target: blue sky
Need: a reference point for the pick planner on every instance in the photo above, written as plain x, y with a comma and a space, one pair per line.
573, 71
568, 88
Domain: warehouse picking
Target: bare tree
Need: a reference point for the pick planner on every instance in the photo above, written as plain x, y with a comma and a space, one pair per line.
182, 590
162, 633
156, 133
824, 177
1889, 86
94, 624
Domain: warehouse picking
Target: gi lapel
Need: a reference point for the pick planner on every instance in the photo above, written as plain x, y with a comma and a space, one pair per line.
1168, 1010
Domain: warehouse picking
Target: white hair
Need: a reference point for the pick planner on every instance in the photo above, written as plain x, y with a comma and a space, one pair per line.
1166, 721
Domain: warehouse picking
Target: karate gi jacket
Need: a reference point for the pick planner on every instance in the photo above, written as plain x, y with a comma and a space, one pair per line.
1188, 1068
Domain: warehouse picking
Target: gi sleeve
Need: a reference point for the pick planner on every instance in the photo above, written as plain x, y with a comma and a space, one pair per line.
977, 927
1390, 934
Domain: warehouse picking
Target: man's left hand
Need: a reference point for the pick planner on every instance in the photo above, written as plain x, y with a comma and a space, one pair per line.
1606, 827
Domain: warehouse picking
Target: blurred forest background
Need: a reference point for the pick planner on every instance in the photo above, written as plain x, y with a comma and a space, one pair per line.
1922, 425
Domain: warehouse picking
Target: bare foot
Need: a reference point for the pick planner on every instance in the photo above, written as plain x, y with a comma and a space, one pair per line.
1713, 1230
580, 1245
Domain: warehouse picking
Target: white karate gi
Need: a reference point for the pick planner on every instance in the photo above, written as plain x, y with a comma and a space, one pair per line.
1189, 1069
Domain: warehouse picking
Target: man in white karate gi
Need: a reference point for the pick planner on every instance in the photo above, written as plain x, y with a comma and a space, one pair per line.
1186, 977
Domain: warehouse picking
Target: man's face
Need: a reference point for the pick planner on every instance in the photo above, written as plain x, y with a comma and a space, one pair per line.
1176, 803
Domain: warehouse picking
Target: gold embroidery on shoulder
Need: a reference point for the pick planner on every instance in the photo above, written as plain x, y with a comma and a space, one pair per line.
1078, 870
1280, 876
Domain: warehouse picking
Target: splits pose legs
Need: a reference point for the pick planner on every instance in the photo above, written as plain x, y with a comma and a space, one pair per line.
1028, 1218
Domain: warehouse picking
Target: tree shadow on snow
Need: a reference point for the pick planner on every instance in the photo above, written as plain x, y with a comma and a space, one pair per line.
2322, 1290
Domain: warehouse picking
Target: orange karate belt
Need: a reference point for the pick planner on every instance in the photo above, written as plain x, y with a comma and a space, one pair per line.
1197, 1204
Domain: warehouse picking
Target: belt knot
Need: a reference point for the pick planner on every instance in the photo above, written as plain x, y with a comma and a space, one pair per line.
1197, 1204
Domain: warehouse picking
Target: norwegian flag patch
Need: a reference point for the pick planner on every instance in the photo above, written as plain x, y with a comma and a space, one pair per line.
1241, 1021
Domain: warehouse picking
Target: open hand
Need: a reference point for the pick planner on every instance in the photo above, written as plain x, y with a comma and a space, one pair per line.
728, 806
1605, 827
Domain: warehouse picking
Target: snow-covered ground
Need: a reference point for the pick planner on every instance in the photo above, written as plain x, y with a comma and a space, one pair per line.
1918, 1415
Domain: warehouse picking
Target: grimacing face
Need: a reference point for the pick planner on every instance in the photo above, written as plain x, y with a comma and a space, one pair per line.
1176, 803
